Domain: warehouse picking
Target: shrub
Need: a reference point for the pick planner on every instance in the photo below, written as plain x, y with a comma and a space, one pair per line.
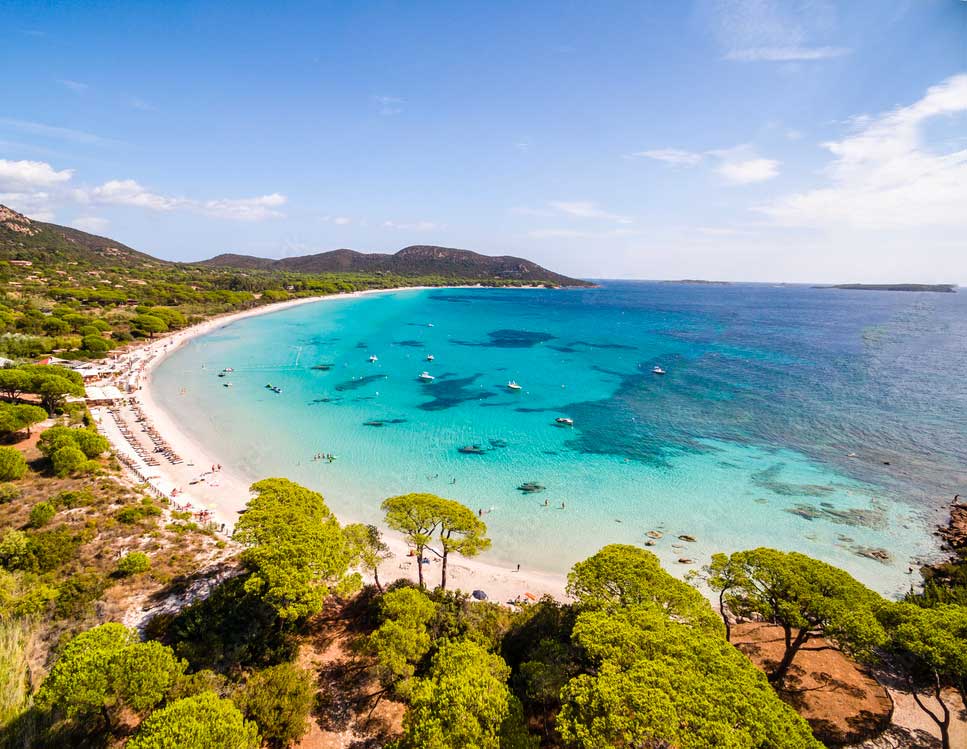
87, 330
90, 442
8, 493
77, 593
41, 514
50, 549
136, 513
133, 563
12, 464
67, 460
71, 499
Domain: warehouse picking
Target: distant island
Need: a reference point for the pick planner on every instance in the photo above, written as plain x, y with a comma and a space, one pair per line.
700, 282
944, 288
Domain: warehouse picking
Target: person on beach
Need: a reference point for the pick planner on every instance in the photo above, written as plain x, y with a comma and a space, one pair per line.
518, 566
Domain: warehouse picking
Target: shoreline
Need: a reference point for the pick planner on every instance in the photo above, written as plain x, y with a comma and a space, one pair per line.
193, 484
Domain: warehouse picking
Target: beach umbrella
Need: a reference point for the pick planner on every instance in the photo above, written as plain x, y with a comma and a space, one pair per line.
479, 595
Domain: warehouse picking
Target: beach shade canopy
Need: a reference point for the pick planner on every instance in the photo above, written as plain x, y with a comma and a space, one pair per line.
530, 596
479, 595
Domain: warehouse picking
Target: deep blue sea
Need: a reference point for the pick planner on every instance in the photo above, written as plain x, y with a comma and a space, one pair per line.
827, 421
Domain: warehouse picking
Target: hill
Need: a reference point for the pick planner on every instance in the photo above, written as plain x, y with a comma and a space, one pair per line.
413, 261
22, 238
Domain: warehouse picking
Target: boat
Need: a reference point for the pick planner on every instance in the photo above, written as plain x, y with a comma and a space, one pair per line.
228, 369
565, 421
426, 377
276, 389
658, 370
221, 374
373, 358
227, 384
513, 385
429, 357
269, 386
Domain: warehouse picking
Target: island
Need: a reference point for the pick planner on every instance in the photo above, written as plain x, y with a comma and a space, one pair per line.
944, 288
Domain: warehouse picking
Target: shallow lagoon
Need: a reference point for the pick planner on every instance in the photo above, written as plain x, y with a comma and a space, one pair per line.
831, 422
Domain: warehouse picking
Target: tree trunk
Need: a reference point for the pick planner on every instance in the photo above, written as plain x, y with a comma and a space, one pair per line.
443, 572
777, 676
725, 618
376, 579
419, 564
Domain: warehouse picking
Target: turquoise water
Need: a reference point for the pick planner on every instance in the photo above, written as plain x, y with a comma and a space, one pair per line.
829, 422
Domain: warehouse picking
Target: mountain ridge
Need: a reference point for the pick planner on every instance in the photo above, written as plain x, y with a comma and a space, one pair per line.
26, 240
414, 260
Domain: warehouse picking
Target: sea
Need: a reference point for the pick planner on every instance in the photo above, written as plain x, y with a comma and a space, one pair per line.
826, 421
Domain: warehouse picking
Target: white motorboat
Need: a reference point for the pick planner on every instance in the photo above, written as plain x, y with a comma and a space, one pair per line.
513, 385
374, 358
658, 370
426, 377
429, 357
565, 421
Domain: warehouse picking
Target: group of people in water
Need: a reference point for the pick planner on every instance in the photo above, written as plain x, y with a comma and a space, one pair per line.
324, 456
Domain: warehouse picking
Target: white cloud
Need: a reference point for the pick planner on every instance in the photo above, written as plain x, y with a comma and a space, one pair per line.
342, 220
15, 175
739, 165
35, 204
786, 54
748, 171
414, 226
883, 176
674, 156
92, 224
129, 192
586, 209
388, 105
244, 209
76, 86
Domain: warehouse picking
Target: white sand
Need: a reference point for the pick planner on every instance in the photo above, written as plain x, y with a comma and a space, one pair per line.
223, 493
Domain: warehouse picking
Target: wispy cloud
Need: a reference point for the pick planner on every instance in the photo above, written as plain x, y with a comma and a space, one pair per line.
775, 30
586, 209
76, 86
388, 105
786, 54
337, 220
412, 226
739, 165
141, 105
92, 224
579, 234
883, 176
675, 156
51, 131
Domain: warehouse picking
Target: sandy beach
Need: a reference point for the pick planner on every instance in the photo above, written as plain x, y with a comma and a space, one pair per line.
198, 481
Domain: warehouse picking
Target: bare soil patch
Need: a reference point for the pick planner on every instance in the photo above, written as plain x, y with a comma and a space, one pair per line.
840, 699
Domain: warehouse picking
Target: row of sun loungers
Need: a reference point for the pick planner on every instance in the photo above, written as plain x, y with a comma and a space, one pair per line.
160, 446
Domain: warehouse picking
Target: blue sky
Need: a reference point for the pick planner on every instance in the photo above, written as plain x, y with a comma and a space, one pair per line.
733, 139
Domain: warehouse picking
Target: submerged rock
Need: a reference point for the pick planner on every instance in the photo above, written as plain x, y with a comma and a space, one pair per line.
471, 450
686, 537
654, 534
531, 487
